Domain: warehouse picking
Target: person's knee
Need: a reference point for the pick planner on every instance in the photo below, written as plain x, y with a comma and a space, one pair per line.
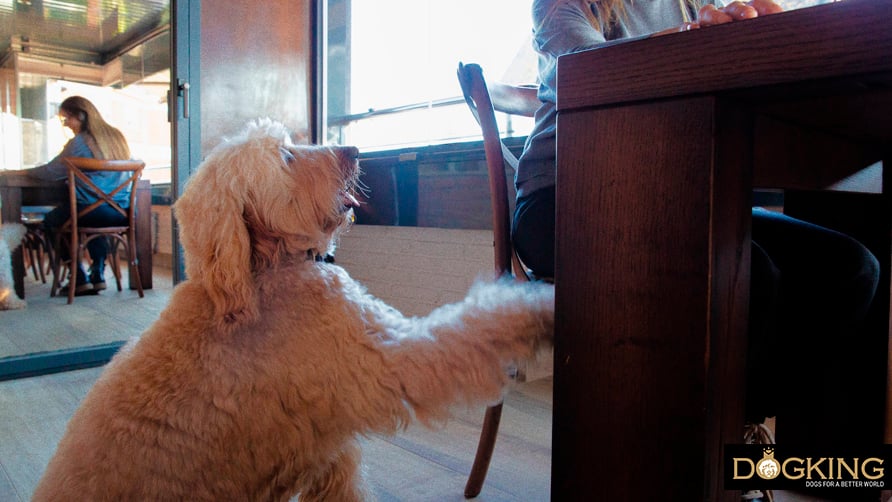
533, 231
858, 285
867, 277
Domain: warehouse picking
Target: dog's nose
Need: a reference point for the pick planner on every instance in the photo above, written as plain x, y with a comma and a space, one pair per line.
348, 153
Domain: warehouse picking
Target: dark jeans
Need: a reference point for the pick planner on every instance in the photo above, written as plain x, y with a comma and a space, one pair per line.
102, 216
810, 289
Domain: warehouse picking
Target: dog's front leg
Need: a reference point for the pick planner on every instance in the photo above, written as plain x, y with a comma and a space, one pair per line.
340, 480
460, 352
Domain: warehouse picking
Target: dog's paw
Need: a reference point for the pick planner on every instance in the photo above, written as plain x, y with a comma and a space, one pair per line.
9, 301
525, 307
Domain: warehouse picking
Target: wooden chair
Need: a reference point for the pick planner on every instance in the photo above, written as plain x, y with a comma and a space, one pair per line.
37, 247
77, 236
484, 100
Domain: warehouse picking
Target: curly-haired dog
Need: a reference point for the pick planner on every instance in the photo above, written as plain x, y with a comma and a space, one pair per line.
11, 236
267, 365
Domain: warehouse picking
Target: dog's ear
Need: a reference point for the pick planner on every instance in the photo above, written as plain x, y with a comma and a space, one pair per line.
216, 241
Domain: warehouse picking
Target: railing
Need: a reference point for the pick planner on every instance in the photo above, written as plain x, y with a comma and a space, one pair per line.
437, 103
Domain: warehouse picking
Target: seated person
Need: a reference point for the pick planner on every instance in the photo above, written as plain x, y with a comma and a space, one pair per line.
93, 138
811, 286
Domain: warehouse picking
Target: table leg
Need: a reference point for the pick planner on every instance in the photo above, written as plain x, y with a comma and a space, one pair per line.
143, 235
652, 284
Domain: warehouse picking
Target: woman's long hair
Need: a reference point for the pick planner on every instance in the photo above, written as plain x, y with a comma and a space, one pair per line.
105, 141
603, 13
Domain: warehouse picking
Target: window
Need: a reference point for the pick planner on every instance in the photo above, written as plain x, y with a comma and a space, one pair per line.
390, 68
130, 92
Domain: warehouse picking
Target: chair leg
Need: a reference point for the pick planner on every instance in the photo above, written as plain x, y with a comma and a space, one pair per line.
134, 261
485, 448
72, 274
56, 265
113, 261
41, 254
41, 258
30, 253
77, 244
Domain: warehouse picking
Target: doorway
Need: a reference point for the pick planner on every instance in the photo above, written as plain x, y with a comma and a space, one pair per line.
119, 57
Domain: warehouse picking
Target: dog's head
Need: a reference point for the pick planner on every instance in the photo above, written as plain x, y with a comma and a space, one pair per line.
257, 200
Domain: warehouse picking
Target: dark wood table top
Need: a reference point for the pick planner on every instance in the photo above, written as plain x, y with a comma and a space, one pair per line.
754, 57
818, 79
20, 178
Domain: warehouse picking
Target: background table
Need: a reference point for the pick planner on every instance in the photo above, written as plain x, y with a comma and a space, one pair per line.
18, 190
659, 145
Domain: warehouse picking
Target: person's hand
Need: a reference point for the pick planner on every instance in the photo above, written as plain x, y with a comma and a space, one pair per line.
710, 15
677, 29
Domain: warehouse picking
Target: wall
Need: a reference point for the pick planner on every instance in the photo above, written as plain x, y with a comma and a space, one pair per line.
255, 62
162, 237
415, 269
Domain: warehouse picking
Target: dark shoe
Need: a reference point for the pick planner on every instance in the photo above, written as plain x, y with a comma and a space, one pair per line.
97, 278
79, 290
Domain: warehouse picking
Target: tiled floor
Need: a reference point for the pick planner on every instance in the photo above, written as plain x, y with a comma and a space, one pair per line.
49, 323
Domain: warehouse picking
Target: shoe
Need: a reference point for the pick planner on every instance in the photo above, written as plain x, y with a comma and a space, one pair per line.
79, 290
97, 278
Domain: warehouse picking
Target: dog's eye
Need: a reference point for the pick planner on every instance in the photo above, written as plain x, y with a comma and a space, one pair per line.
287, 156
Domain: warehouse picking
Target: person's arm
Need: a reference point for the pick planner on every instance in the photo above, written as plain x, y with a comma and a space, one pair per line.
55, 169
562, 28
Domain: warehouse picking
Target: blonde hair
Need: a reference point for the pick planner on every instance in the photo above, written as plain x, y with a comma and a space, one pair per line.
602, 13
105, 141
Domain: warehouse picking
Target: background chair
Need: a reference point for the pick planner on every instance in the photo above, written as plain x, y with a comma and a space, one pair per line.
77, 236
483, 102
37, 248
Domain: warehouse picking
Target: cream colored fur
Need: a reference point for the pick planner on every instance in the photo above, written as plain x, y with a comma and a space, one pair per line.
266, 366
11, 236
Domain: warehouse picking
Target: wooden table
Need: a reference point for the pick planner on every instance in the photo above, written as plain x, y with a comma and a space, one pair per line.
18, 190
659, 145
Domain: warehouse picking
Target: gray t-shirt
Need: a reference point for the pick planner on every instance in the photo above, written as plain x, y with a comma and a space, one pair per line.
563, 27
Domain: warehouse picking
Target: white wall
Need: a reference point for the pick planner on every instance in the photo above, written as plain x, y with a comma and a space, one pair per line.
416, 269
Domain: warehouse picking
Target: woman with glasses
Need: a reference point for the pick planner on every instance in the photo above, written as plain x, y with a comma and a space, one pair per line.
93, 138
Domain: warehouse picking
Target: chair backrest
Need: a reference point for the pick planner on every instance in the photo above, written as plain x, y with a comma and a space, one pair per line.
79, 169
484, 100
